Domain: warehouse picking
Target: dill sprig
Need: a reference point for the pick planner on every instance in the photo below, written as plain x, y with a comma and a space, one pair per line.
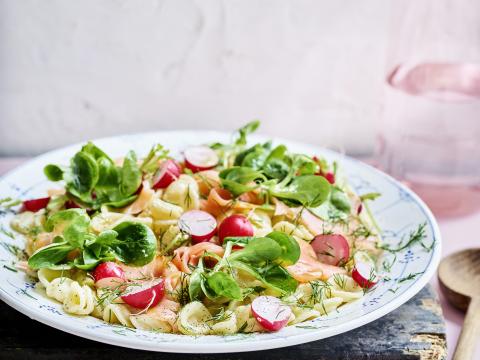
13, 249
7, 233
372, 279
321, 290
242, 328
410, 277
340, 280
387, 266
110, 294
11, 268
415, 236
9, 202
361, 231
181, 293
394, 290
220, 316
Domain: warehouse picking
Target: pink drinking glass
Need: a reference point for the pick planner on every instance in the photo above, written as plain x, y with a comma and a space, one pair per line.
430, 133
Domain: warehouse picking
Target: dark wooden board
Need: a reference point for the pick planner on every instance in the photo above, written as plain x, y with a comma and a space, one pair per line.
414, 331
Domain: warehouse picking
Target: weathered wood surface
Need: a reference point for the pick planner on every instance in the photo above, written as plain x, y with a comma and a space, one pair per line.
414, 331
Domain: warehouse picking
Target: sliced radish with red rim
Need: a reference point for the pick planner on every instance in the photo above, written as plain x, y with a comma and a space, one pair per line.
70, 204
168, 172
270, 312
364, 272
235, 225
35, 205
146, 295
108, 274
199, 158
200, 225
332, 249
330, 177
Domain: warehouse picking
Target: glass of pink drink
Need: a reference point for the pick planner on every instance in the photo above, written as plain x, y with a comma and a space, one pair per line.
430, 136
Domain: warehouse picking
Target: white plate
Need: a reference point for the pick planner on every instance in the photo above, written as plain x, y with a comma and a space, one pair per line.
398, 211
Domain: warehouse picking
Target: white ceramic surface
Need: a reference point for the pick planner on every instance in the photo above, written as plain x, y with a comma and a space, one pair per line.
398, 211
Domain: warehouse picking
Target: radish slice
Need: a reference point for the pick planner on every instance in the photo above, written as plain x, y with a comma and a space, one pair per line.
108, 274
330, 177
168, 172
199, 158
331, 249
145, 296
234, 225
200, 225
70, 204
364, 272
270, 312
35, 204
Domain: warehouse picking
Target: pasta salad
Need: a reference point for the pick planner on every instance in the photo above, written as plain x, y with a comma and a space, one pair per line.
229, 239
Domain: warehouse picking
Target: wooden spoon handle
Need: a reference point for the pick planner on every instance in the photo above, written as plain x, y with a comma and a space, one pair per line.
467, 341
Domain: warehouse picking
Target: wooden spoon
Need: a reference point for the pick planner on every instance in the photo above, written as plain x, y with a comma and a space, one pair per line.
459, 276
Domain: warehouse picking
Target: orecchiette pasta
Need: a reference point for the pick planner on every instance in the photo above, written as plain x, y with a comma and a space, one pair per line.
328, 305
107, 220
27, 221
261, 222
345, 287
80, 300
245, 321
183, 192
163, 210
172, 238
301, 314
161, 318
192, 319
160, 226
226, 326
117, 314
298, 230
76, 299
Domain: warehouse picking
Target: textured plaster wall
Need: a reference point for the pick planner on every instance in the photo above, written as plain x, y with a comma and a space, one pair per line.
75, 70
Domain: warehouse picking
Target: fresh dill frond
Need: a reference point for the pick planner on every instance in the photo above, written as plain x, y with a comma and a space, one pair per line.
220, 316
9, 202
8, 267
372, 279
410, 277
340, 280
13, 249
7, 233
415, 236
181, 293
370, 196
361, 231
387, 266
242, 328
110, 294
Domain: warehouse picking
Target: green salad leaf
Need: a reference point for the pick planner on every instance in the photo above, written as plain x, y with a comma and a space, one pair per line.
131, 242
340, 200
50, 255
278, 173
53, 172
223, 285
239, 179
263, 258
131, 176
135, 244
84, 174
307, 190
93, 179
251, 127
